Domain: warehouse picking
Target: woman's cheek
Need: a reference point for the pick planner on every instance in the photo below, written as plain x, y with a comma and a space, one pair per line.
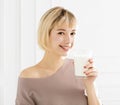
59, 39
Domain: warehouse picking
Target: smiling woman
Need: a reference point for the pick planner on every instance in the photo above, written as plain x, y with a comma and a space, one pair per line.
52, 80
61, 38
49, 20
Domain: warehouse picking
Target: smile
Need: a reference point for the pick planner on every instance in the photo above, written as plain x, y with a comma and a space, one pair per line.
65, 48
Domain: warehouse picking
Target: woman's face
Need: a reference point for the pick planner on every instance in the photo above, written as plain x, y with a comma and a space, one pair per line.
61, 39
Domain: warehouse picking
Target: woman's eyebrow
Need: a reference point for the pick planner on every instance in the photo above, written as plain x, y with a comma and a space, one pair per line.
61, 30
64, 30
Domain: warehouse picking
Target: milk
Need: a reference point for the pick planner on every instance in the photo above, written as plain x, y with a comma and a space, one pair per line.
80, 61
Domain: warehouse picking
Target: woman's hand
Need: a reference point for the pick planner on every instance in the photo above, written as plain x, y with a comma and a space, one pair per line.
91, 73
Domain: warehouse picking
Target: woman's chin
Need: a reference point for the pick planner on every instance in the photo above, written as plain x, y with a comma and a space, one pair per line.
64, 54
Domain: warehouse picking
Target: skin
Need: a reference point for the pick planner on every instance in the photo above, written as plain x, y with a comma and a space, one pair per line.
61, 41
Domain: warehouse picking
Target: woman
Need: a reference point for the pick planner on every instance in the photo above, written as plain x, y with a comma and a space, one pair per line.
52, 80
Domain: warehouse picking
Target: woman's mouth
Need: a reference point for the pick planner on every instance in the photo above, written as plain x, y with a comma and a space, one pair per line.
65, 48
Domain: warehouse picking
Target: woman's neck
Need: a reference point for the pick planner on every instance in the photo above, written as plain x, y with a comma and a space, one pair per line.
51, 61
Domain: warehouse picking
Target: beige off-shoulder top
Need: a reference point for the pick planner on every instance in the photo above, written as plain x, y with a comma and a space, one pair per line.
60, 88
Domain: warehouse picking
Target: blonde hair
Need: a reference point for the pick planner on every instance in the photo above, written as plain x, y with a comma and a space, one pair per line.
54, 16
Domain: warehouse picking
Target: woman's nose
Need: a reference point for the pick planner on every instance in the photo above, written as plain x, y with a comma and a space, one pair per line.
68, 38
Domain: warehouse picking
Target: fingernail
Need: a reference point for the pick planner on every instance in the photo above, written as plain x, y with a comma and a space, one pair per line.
91, 61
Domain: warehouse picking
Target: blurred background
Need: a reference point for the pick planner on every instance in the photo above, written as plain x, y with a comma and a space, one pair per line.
98, 29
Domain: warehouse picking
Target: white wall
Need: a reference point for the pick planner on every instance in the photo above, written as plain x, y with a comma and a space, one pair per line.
1, 53
98, 29
10, 48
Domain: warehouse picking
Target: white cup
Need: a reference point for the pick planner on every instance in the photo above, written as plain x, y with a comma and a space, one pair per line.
80, 60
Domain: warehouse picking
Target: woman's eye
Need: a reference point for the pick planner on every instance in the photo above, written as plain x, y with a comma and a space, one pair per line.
61, 33
73, 33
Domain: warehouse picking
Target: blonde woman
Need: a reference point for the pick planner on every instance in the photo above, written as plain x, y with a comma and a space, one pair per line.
52, 81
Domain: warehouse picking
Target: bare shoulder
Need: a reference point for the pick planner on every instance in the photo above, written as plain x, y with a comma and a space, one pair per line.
31, 72
36, 71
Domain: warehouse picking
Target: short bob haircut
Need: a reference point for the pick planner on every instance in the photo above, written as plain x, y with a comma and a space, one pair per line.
54, 16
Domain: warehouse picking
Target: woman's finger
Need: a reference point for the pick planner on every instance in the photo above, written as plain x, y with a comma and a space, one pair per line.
91, 73
94, 73
88, 66
90, 69
90, 60
89, 63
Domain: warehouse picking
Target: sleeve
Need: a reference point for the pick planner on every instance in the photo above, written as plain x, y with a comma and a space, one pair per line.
23, 97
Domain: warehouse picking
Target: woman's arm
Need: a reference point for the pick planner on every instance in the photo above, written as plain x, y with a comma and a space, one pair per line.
91, 75
23, 97
91, 94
